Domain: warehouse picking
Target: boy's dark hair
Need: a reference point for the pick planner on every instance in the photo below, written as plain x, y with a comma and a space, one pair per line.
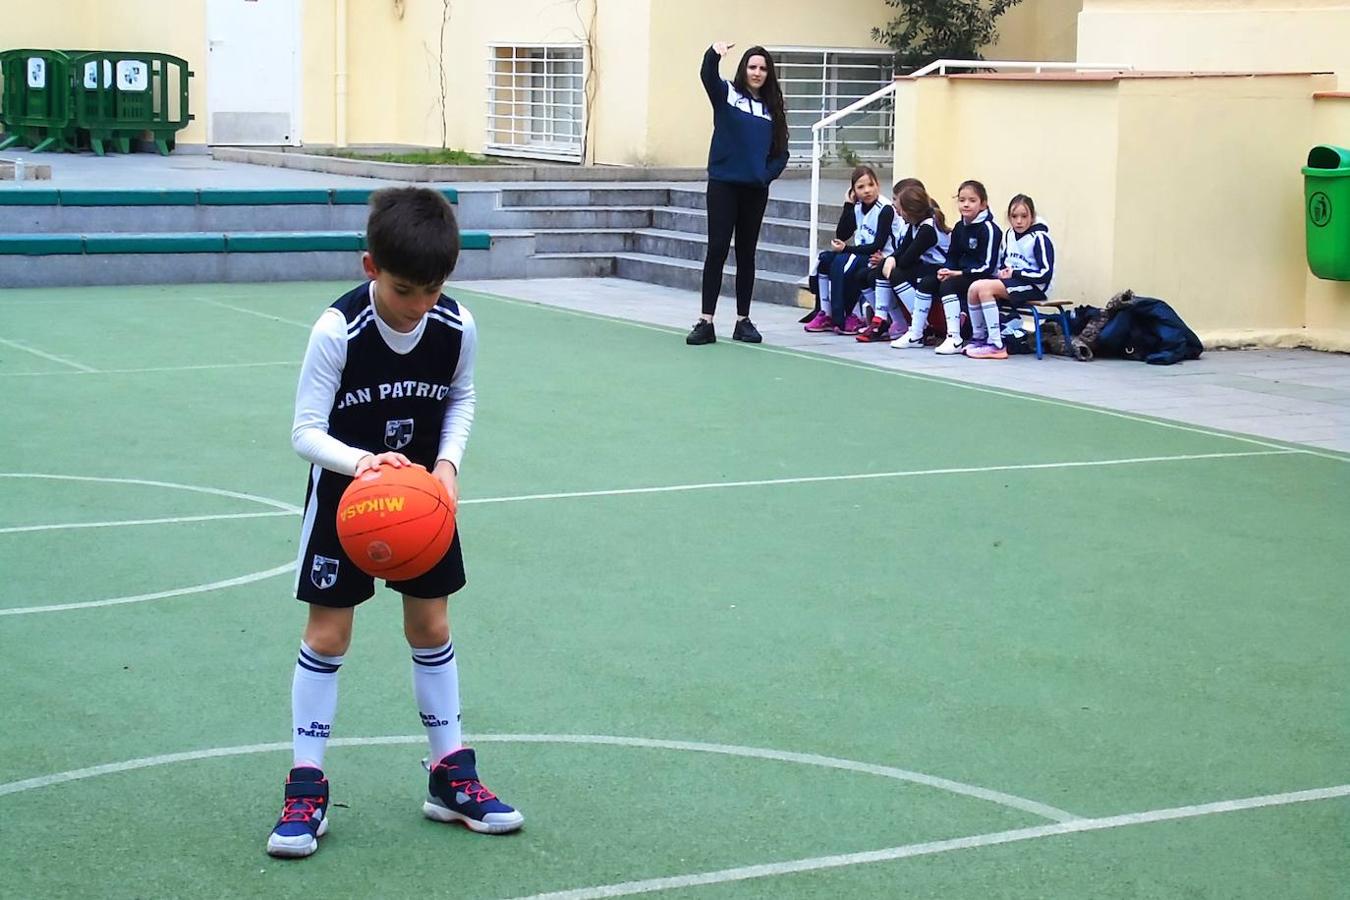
412, 233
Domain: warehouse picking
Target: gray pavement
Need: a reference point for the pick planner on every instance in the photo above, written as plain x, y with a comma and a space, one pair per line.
1298, 396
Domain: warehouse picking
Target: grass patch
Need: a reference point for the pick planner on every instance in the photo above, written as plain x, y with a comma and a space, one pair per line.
421, 157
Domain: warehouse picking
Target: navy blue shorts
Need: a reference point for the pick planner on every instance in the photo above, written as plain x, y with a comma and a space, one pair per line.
326, 576
1022, 291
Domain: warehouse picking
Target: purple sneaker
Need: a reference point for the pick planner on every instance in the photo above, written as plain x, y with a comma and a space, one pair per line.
819, 322
852, 325
986, 351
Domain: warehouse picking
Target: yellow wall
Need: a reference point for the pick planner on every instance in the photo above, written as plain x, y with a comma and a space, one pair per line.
1218, 35
1152, 183
1069, 169
1038, 29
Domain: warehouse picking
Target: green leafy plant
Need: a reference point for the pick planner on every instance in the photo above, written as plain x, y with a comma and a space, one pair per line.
925, 30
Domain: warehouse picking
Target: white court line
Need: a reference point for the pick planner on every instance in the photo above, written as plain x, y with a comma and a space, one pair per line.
157, 595
196, 489
808, 759
928, 848
173, 520
262, 315
289, 362
932, 379
50, 356
911, 473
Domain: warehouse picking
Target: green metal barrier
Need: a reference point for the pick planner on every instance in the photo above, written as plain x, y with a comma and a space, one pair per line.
36, 99
117, 96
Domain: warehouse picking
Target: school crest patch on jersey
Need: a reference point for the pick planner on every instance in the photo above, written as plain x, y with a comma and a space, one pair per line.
323, 572
398, 433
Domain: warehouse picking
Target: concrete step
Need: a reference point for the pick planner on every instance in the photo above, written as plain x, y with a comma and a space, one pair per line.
584, 240
570, 265
770, 287
786, 232
554, 217
584, 196
797, 210
684, 245
141, 219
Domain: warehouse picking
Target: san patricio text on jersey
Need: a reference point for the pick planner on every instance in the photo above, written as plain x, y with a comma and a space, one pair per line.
395, 390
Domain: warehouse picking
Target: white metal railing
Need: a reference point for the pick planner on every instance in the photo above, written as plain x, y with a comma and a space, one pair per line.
940, 67
535, 101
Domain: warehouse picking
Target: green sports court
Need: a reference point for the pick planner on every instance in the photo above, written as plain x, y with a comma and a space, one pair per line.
722, 637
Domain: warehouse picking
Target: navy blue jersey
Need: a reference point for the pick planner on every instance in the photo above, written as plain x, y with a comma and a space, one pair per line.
395, 401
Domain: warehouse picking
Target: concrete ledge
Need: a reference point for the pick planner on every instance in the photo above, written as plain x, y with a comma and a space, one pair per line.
1282, 339
151, 243
196, 197
334, 165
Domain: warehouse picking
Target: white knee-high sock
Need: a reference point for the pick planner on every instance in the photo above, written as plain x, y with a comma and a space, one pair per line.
436, 686
885, 298
313, 703
989, 308
951, 308
918, 320
906, 294
979, 331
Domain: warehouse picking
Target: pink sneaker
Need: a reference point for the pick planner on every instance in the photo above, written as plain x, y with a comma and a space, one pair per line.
819, 322
852, 325
986, 351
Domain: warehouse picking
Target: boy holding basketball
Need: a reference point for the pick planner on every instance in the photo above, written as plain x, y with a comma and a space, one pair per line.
387, 380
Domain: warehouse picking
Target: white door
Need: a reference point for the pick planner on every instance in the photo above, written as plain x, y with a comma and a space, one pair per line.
253, 72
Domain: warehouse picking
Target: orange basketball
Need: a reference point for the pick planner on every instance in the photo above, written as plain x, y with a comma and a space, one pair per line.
395, 524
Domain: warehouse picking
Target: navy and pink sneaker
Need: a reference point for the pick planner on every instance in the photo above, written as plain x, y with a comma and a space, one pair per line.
454, 794
304, 815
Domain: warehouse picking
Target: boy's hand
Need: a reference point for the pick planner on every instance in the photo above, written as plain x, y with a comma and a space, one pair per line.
876, 258
837, 245
371, 461
944, 274
1005, 272
721, 47
888, 267
445, 471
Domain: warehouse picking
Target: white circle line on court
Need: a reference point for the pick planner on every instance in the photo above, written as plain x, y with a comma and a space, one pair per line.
193, 488
809, 759
254, 365
909, 473
919, 376
170, 520
928, 848
157, 595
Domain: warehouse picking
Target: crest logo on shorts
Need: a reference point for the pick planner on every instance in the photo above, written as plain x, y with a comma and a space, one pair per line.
323, 572
398, 433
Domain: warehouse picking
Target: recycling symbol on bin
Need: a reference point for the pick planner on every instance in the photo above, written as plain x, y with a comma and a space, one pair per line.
1319, 209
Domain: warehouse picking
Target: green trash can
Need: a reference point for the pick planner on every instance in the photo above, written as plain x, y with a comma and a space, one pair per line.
119, 96
36, 99
1326, 200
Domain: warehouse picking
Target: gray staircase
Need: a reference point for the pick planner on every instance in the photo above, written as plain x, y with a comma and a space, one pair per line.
645, 233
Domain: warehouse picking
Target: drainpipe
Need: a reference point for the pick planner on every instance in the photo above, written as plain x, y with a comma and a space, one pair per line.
340, 73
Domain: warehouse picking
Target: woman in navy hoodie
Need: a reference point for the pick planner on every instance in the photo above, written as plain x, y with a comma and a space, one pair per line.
749, 150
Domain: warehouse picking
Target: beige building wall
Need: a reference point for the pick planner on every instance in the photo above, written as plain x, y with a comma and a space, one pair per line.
1158, 184
1045, 30
1219, 35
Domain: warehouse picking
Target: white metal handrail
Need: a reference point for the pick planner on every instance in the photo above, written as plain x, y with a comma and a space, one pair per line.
938, 66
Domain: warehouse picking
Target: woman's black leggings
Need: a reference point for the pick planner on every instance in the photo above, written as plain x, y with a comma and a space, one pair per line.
732, 209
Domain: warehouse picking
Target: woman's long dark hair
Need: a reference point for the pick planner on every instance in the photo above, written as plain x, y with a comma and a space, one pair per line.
771, 95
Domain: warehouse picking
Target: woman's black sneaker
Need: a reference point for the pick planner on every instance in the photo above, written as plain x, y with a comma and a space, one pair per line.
702, 333
746, 331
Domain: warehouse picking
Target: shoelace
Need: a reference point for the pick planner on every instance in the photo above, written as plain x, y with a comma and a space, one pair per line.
299, 809
475, 789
